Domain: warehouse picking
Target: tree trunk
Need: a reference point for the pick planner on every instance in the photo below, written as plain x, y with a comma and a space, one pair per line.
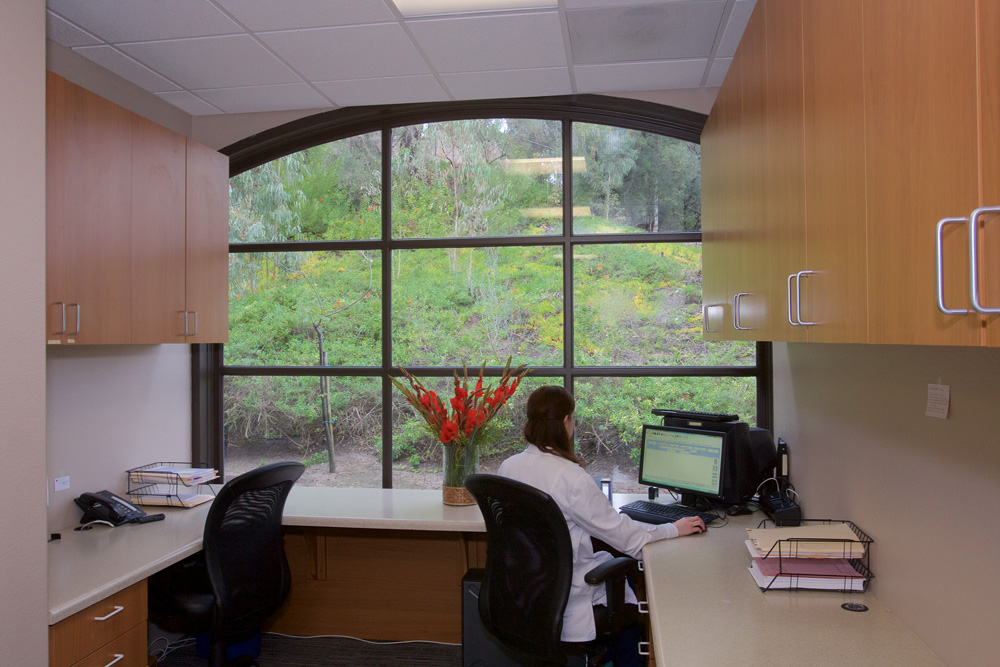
324, 390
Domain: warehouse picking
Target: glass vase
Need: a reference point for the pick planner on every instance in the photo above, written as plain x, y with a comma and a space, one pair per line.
460, 461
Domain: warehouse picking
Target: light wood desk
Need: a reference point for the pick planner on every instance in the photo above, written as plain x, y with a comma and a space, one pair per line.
388, 564
707, 610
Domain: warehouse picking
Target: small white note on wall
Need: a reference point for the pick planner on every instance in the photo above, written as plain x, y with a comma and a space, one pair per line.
938, 400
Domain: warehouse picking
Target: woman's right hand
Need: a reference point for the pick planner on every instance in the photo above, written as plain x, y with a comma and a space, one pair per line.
689, 525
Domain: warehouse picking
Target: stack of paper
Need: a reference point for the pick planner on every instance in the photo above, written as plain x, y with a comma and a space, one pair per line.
171, 499
173, 474
806, 557
832, 540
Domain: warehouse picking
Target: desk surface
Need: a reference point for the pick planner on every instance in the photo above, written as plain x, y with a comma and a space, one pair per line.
704, 604
708, 611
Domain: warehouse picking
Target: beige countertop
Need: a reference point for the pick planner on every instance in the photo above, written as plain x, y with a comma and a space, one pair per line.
707, 610
86, 566
385, 509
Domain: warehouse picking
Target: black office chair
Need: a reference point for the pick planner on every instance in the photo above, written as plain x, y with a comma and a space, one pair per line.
241, 576
529, 568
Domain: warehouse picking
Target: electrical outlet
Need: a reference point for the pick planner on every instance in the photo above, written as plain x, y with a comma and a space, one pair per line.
62, 483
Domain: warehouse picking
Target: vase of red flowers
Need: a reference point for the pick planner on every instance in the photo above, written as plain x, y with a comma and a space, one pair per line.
456, 424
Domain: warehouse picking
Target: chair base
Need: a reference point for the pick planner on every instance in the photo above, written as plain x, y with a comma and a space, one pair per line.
248, 647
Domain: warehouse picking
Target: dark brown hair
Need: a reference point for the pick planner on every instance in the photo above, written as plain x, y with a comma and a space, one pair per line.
548, 407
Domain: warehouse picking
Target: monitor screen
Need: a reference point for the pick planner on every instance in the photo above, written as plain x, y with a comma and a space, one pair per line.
685, 460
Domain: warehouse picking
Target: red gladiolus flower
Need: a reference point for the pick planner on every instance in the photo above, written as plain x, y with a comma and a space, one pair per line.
460, 392
449, 430
458, 405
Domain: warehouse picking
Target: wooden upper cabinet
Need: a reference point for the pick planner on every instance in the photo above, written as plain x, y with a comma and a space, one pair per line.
207, 283
834, 294
158, 231
922, 156
136, 227
88, 217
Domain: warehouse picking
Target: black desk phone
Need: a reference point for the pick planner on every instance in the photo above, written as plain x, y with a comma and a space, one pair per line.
107, 507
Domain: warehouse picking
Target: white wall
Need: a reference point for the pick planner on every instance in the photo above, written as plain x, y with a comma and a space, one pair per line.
111, 408
24, 601
926, 489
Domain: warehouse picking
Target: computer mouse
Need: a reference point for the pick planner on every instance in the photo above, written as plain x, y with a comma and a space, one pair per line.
738, 510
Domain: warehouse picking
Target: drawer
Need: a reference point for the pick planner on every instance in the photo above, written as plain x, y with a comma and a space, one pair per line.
129, 650
84, 632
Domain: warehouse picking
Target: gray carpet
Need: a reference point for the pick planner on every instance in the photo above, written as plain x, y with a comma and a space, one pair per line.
285, 651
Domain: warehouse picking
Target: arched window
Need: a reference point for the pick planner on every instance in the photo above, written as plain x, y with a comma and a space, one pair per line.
561, 233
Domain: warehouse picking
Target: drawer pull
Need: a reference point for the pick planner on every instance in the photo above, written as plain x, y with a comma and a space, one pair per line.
974, 259
736, 312
643, 606
644, 648
118, 656
104, 618
940, 266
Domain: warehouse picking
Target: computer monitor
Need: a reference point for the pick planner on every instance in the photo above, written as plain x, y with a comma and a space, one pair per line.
687, 461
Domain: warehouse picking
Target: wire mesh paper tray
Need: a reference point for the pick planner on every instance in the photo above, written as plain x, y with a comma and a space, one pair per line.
171, 484
791, 564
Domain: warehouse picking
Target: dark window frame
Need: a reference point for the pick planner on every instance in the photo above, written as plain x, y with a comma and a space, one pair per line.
208, 369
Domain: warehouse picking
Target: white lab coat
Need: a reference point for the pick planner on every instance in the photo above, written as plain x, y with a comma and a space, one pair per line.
588, 514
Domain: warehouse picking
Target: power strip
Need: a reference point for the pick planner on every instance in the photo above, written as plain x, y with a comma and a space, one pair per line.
782, 510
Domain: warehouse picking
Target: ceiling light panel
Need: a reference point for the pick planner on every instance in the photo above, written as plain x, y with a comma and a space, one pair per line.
411, 8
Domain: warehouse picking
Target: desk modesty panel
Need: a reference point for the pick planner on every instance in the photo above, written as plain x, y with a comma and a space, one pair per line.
707, 610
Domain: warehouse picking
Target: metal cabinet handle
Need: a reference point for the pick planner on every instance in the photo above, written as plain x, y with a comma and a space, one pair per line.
974, 259
704, 317
643, 606
644, 648
77, 331
736, 311
195, 322
798, 297
187, 330
62, 330
104, 618
118, 656
791, 320
940, 266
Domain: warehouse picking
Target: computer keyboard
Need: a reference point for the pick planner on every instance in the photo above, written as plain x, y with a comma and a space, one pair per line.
695, 416
650, 512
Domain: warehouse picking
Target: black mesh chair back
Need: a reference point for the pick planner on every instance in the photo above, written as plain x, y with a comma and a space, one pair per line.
244, 550
529, 568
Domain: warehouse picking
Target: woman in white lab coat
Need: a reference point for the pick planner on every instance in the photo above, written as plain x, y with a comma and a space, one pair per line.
550, 463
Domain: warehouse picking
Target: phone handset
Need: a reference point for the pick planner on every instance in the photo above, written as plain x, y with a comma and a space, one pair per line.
107, 508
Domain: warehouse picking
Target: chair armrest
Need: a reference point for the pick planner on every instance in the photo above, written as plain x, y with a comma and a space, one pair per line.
616, 567
613, 573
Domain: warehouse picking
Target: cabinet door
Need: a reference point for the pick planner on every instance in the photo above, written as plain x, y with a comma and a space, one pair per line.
784, 249
158, 167
747, 250
207, 245
88, 217
922, 165
989, 88
719, 142
835, 295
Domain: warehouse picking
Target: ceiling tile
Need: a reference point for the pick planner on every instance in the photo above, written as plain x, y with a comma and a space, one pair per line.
213, 62
61, 31
385, 90
640, 76
508, 83
333, 54
251, 99
192, 104
737, 23
590, 4
717, 72
481, 43
115, 61
644, 32
260, 15
131, 21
